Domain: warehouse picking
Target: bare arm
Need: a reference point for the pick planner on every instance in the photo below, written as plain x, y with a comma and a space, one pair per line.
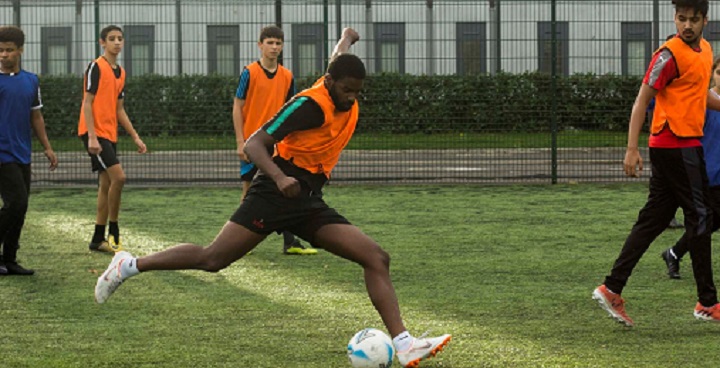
348, 38
239, 124
637, 119
38, 126
124, 120
93, 144
713, 102
256, 149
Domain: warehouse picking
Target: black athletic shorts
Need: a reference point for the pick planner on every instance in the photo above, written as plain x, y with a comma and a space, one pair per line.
265, 210
106, 158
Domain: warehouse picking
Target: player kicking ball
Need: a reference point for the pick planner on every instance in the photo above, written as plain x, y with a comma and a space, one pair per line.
309, 132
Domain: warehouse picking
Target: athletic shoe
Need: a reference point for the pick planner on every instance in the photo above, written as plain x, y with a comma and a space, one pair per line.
422, 348
115, 246
13, 268
613, 304
674, 224
297, 248
672, 263
707, 313
111, 279
3, 269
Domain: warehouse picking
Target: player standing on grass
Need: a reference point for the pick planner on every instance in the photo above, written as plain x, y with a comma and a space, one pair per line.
711, 148
311, 130
20, 115
102, 109
678, 78
264, 87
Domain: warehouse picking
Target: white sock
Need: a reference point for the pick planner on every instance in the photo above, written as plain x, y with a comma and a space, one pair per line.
402, 341
128, 268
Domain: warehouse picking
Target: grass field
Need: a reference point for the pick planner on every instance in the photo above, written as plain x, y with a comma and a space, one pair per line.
508, 270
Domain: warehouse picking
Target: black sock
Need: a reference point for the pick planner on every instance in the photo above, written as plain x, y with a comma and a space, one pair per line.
99, 235
114, 231
288, 237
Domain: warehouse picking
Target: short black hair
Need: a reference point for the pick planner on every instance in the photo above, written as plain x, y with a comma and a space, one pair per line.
272, 32
12, 34
700, 6
346, 65
108, 29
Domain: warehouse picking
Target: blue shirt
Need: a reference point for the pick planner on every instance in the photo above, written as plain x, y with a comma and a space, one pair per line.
711, 145
19, 95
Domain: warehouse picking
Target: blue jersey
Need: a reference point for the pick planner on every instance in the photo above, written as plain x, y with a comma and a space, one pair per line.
19, 95
711, 145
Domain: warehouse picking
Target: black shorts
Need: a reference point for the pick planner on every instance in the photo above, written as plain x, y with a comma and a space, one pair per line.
265, 210
107, 157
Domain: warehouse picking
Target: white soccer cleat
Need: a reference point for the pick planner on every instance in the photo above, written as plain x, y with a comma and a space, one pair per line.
111, 279
422, 348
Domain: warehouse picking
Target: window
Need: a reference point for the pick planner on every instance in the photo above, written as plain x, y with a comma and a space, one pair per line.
139, 50
636, 47
56, 50
223, 50
712, 35
307, 51
471, 48
390, 47
545, 47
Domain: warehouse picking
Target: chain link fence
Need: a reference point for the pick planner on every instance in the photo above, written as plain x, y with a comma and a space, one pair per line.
502, 91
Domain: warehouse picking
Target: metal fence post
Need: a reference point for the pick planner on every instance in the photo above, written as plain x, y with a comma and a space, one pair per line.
97, 28
178, 34
16, 12
338, 18
553, 89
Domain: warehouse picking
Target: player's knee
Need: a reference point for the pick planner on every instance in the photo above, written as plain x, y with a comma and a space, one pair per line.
380, 258
213, 264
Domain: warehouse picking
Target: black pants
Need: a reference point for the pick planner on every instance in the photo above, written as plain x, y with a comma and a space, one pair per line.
14, 190
678, 179
683, 246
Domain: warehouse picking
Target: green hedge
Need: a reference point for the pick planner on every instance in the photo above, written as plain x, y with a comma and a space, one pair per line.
391, 103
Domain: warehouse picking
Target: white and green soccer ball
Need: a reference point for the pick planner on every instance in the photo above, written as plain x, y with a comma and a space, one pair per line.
371, 348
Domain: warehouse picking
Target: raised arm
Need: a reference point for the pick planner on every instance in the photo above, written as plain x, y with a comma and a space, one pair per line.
348, 38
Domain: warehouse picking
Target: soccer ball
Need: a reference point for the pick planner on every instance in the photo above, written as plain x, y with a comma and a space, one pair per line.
371, 348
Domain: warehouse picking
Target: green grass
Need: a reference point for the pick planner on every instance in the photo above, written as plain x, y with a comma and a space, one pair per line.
508, 270
375, 141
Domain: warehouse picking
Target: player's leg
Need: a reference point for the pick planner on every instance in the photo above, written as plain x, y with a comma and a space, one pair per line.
347, 241
15, 190
233, 242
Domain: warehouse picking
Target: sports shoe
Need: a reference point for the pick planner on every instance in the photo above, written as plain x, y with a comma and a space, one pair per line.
297, 248
422, 348
707, 313
111, 279
13, 268
115, 246
672, 263
3, 269
613, 304
103, 246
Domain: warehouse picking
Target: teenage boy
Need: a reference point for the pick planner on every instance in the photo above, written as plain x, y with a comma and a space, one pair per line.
20, 116
102, 109
310, 131
264, 87
677, 78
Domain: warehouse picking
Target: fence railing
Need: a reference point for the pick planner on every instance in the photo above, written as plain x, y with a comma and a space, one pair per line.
418, 53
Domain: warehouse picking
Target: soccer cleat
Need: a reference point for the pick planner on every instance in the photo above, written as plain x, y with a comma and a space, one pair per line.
111, 279
672, 263
102, 246
3, 269
422, 348
115, 246
613, 304
707, 313
297, 248
13, 268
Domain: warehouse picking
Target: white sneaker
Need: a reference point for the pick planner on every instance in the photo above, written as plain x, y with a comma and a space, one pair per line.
111, 279
422, 348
